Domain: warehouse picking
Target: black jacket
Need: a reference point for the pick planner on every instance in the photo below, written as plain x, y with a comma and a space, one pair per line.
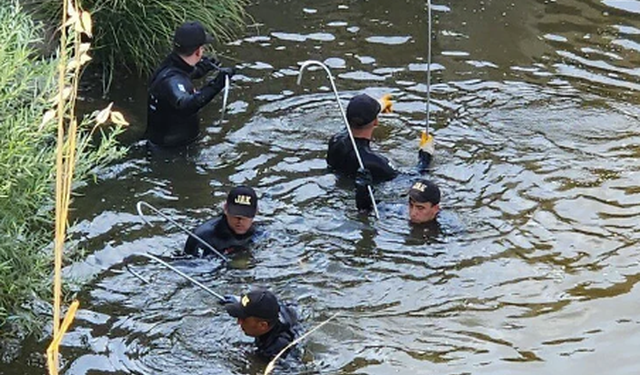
217, 233
282, 334
342, 158
173, 103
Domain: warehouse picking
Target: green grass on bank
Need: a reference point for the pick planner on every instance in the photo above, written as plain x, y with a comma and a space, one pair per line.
27, 170
138, 33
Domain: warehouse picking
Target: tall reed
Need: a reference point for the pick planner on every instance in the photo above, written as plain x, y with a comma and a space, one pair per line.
33, 91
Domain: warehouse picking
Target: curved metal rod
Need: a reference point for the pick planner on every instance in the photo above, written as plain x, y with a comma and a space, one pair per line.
137, 275
428, 65
203, 242
194, 281
225, 97
344, 118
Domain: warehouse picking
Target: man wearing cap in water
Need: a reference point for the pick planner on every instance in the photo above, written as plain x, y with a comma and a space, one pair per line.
424, 201
232, 231
174, 102
260, 315
362, 115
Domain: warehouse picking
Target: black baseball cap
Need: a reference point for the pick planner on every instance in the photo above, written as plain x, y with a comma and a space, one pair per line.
424, 191
191, 35
362, 109
259, 303
242, 201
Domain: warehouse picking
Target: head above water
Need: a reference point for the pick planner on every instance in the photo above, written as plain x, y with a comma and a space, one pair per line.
424, 201
362, 112
190, 38
241, 208
257, 312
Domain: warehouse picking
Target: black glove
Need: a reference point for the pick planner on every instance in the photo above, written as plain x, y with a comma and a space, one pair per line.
204, 66
363, 181
228, 299
218, 82
209, 63
363, 177
230, 72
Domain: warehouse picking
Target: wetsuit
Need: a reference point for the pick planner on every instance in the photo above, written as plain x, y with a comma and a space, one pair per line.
342, 158
284, 331
217, 233
173, 103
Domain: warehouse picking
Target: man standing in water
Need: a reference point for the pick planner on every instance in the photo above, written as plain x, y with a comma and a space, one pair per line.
232, 231
362, 115
174, 102
273, 324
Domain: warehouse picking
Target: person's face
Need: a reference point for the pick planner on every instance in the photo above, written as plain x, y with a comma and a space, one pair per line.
238, 224
422, 212
253, 326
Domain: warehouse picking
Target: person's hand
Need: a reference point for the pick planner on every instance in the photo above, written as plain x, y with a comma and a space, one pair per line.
229, 72
207, 64
363, 177
218, 82
204, 66
427, 143
386, 105
227, 299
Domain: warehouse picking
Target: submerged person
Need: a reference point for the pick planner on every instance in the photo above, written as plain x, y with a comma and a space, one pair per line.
174, 102
422, 209
232, 231
273, 324
423, 205
362, 116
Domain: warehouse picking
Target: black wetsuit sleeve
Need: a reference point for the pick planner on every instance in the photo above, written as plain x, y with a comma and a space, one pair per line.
381, 169
363, 199
192, 246
199, 71
179, 98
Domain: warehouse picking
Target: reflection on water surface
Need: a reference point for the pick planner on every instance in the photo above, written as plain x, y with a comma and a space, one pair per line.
536, 109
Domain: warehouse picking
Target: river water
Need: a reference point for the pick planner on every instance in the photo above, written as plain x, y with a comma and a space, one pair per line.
536, 106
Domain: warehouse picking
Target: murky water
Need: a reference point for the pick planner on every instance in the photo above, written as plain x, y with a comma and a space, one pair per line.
537, 105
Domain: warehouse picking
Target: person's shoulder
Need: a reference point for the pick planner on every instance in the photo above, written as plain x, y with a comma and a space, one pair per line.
288, 314
338, 138
208, 226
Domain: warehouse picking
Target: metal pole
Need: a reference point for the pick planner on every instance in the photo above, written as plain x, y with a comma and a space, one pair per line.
429, 27
203, 242
225, 97
344, 118
194, 281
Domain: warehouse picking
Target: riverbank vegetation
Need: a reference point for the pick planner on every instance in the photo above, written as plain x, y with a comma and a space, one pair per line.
136, 34
29, 91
